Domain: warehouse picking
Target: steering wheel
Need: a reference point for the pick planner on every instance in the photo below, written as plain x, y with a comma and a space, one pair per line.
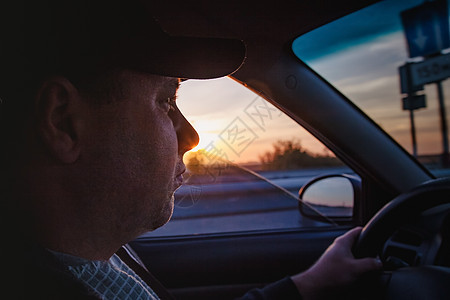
422, 282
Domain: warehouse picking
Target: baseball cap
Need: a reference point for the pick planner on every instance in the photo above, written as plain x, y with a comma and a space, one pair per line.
51, 36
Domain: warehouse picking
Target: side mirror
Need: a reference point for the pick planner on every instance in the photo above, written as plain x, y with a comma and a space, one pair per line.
330, 198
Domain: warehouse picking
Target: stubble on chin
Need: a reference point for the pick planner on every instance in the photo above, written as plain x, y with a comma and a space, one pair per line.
164, 215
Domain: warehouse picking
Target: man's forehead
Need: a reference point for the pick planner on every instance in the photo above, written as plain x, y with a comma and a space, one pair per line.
150, 80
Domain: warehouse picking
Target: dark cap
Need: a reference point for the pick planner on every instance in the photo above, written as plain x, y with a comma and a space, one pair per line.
50, 36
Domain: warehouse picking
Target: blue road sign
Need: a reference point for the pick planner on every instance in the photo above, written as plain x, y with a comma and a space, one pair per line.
427, 28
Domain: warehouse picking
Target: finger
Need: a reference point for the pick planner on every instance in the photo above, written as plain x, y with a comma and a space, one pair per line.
368, 264
349, 238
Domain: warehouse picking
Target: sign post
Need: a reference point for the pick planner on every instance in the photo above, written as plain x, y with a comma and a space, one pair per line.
443, 121
412, 101
426, 28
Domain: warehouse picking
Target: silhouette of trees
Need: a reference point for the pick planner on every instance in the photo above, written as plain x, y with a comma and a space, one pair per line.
195, 162
290, 154
285, 155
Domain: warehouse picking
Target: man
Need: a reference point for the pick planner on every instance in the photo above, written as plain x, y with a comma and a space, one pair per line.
93, 150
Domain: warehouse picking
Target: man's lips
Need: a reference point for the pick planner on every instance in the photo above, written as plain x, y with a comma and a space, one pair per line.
179, 177
182, 172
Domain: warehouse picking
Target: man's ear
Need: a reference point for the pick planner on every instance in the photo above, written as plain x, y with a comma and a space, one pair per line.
57, 107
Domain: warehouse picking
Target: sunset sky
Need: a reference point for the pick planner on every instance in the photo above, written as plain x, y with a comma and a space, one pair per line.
361, 61
216, 107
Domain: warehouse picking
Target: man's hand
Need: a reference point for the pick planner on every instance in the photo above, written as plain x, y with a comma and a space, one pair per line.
336, 270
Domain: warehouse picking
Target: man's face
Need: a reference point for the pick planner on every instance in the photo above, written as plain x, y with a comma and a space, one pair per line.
135, 153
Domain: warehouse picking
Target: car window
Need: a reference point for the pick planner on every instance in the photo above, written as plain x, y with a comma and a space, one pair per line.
361, 54
250, 163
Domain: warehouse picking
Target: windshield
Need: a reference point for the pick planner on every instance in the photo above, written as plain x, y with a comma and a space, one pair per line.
361, 54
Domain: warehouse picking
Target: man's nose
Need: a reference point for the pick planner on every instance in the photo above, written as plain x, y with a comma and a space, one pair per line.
187, 136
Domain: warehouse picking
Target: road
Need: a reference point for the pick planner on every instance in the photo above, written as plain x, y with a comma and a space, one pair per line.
229, 205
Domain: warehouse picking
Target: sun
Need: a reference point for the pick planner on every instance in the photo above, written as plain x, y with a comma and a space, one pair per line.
206, 133
201, 144
205, 140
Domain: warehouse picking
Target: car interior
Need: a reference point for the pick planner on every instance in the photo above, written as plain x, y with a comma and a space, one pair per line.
237, 227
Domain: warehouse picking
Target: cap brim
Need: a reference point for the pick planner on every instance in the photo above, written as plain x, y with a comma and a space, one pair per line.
185, 57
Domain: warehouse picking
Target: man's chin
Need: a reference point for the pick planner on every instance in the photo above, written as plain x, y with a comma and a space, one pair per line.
170, 209
166, 213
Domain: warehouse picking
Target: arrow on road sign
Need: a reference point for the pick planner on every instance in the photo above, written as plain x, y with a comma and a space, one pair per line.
420, 39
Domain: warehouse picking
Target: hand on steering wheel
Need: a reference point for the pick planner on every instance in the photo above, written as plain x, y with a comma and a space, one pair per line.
416, 282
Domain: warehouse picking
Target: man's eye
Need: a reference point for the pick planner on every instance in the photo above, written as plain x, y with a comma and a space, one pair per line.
169, 104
